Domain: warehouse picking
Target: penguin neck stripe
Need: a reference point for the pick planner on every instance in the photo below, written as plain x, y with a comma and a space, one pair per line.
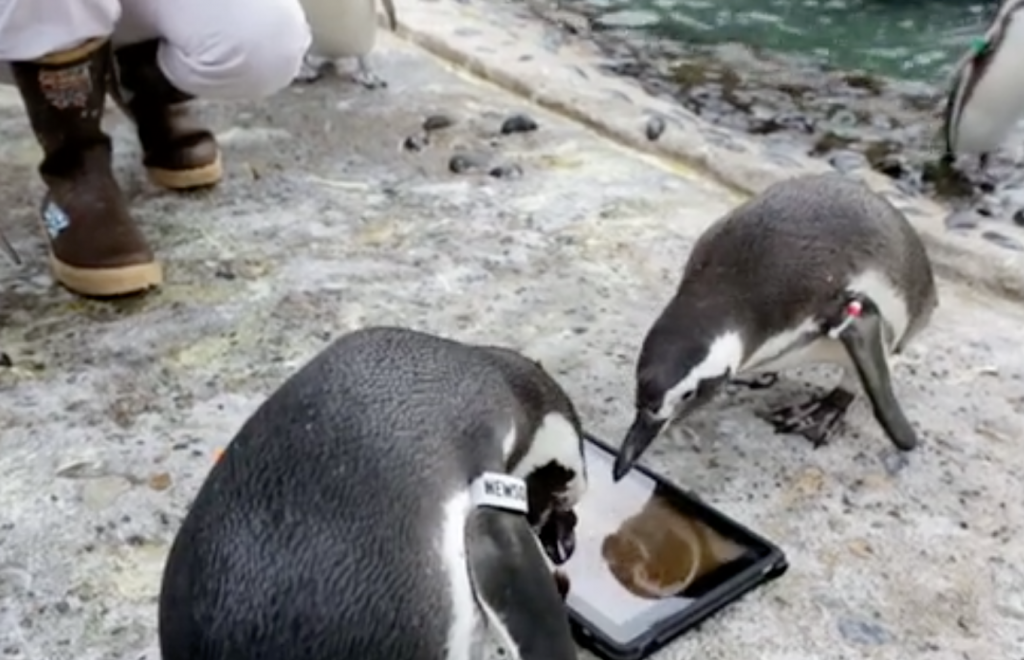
499, 491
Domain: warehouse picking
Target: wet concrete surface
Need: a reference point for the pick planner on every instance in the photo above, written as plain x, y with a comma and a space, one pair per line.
110, 414
504, 42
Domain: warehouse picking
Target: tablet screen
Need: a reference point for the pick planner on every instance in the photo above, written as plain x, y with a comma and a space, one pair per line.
639, 558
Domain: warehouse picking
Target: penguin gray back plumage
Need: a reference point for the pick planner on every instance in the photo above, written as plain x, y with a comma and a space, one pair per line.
338, 523
786, 254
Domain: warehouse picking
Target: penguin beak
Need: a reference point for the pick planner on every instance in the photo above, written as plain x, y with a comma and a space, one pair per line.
558, 536
644, 430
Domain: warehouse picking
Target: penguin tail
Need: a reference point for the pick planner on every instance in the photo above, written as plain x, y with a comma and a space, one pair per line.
515, 587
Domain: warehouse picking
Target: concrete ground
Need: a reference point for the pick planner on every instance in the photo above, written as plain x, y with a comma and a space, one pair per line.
110, 413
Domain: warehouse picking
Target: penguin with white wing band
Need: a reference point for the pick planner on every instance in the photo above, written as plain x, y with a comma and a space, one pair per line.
986, 97
815, 269
387, 502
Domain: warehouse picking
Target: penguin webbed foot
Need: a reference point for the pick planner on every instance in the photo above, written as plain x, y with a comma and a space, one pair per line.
312, 69
366, 76
817, 419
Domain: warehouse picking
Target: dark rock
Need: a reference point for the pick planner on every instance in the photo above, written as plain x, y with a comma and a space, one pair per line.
511, 171
846, 161
1018, 217
415, 143
462, 163
891, 165
518, 123
655, 127
437, 122
5, 361
1003, 241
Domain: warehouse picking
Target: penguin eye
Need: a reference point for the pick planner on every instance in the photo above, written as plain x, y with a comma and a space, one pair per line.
689, 395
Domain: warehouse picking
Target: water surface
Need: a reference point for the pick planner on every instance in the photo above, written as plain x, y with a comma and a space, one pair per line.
916, 40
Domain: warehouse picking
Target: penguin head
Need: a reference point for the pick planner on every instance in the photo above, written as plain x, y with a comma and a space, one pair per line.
675, 376
554, 470
545, 450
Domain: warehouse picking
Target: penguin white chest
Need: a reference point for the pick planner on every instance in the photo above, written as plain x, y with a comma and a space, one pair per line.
341, 28
996, 102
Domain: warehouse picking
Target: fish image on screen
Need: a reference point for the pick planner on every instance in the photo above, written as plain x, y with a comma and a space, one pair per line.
640, 558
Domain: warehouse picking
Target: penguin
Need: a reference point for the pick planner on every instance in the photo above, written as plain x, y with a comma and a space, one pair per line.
816, 269
386, 501
344, 29
986, 99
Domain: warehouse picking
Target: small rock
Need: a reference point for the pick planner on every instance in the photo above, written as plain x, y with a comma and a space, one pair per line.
224, 272
858, 631
5, 361
511, 171
415, 143
461, 163
1018, 217
437, 122
960, 220
894, 461
892, 166
1003, 241
518, 124
846, 161
160, 481
655, 127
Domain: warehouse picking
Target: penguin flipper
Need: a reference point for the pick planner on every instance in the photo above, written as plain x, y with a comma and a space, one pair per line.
515, 587
862, 338
389, 9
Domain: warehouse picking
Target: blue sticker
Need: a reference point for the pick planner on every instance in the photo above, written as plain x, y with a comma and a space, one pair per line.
55, 219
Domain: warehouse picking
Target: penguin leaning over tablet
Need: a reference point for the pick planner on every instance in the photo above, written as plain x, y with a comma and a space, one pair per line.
815, 269
385, 502
986, 99
344, 29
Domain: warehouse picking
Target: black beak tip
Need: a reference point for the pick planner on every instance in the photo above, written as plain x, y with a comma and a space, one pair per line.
621, 468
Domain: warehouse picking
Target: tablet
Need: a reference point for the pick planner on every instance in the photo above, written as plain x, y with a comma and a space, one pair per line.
652, 561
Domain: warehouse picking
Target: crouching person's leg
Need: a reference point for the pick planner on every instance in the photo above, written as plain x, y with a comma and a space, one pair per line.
171, 52
60, 60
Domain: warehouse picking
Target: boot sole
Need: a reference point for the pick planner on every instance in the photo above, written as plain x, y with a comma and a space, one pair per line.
107, 282
199, 177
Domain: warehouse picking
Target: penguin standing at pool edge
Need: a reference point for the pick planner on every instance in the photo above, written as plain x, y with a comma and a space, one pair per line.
815, 269
387, 501
986, 99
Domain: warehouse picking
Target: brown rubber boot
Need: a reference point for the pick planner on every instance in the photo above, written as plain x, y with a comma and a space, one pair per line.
96, 249
178, 152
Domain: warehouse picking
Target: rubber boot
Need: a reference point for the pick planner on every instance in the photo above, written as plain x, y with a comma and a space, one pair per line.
96, 249
178, 152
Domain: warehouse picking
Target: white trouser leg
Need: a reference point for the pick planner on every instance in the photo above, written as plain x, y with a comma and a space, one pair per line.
220, 49
30, 29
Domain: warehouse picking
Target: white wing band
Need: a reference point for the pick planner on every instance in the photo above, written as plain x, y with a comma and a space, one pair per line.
499, 491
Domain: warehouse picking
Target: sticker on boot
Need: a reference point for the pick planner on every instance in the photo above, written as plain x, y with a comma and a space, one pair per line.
67, 88
55, 219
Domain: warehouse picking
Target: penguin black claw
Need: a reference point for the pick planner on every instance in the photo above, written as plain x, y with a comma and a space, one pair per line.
817, 420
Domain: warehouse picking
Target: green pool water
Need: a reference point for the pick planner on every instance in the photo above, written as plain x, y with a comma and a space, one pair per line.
910, 39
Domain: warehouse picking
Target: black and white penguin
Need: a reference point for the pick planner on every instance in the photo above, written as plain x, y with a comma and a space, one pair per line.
344, 29
386, 502
986, 99
815, 269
